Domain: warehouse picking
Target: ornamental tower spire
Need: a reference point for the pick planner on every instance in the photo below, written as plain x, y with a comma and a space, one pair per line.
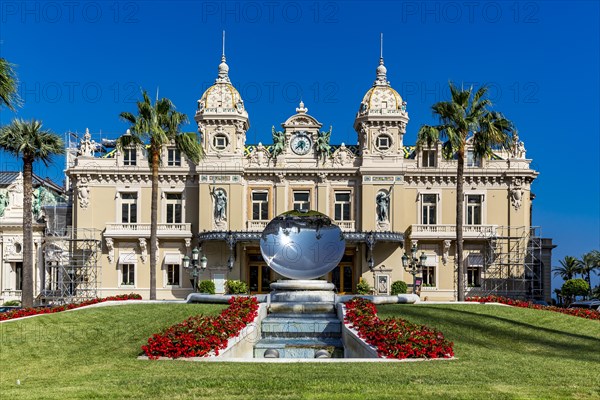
223, 67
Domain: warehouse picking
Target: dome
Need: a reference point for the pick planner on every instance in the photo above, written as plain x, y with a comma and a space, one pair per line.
381, 96
221, 97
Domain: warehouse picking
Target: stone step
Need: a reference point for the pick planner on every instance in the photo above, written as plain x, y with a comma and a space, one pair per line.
299, 347
301, 308
303, 296
301, 326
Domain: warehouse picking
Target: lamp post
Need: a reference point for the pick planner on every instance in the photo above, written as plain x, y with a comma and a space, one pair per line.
413, 265
196, 267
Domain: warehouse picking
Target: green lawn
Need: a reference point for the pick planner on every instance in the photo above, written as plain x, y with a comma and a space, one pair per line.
503, 353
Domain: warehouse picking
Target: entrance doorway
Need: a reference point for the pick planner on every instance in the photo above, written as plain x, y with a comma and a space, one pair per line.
259, 274
342, 276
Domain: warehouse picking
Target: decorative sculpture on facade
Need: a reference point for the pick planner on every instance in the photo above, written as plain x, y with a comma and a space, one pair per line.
83, 194
87, 146
278, 143
4, 201
518, 147
322, 144
143, 249
220, 204
383, 205
446, 249
111, 249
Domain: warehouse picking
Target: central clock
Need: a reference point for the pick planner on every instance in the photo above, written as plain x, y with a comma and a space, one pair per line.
301, 144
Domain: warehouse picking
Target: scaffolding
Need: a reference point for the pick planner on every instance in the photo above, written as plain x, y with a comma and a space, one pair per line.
512, 265
71, 257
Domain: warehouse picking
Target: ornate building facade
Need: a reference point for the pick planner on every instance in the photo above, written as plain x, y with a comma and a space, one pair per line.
385, 195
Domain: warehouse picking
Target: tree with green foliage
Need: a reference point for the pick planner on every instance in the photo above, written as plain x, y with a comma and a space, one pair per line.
589, 263
569, 267
466, 118
27, 140
8, 85
160, 124
573, 288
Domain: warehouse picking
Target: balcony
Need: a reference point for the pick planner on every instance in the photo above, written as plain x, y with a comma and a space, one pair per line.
448, 231
345, 226
142, 230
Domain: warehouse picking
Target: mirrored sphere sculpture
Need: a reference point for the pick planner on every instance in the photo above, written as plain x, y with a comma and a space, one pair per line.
302, 244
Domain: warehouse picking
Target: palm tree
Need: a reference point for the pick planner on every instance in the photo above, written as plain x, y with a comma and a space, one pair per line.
589, 263
160, 124
569, 268
466, 117
8, 85
27, 139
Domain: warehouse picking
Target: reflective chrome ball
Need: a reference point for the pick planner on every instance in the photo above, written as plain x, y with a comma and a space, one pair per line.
302, 244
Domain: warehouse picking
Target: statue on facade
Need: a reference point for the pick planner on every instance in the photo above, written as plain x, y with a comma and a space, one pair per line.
383, 206
220, 211
87, 146
4, 202
323, 146
278, 143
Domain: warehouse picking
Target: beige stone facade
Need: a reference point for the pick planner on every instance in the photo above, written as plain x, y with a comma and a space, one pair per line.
384, 194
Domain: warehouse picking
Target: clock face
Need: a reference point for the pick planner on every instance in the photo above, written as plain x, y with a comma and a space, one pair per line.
301, 144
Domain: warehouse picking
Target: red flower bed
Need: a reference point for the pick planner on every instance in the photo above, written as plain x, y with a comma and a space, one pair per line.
199, 335
395, 337
576, 312
25, 312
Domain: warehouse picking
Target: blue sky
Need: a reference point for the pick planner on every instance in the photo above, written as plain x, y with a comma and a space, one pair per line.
82, 63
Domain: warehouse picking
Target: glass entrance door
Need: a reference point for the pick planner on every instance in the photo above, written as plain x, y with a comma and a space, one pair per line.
259, 274
343, 276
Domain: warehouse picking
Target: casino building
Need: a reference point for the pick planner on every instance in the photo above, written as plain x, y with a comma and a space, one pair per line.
386, 196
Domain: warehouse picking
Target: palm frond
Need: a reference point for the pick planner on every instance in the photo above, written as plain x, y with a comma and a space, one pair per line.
188, 143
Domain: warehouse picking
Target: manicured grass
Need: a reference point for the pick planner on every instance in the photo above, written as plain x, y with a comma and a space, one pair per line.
503, 353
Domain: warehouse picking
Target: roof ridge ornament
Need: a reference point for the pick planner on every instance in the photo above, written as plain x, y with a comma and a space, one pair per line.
301, 109
223, 67
381, 79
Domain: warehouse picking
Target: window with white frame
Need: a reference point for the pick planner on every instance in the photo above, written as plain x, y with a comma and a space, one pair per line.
429, 157
342, 206
383, 142
429, 209
472, 160
301, 200
220, 142
129, 208
474, 268
260, 205
174, 208
130, 156
429, 271
474, 209
173, 158
173, 274
127, 274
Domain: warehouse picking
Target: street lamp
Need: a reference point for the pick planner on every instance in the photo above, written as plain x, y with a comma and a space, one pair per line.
413, 265
196, 266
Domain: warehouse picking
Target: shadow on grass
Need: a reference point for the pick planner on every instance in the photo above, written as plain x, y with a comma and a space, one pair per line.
490, 330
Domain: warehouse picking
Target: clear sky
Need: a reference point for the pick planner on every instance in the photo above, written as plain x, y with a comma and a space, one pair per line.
81, 63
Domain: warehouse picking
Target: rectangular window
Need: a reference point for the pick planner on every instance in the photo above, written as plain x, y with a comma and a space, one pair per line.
173, 158
429, 158
429, 276
174, 208
129, 208
474, 267
260, 206
473, 209
173, 275
128, 274
429, 209
130, 157
472, 160
342, 206
19, 276
301, 200
383, 142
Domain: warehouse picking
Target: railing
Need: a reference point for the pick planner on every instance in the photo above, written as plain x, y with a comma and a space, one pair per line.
11, 293
256, 225
345, 226
143, 229
449, 231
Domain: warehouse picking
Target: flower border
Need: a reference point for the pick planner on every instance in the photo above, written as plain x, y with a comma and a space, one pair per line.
395, 337
26, 312
576, 312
